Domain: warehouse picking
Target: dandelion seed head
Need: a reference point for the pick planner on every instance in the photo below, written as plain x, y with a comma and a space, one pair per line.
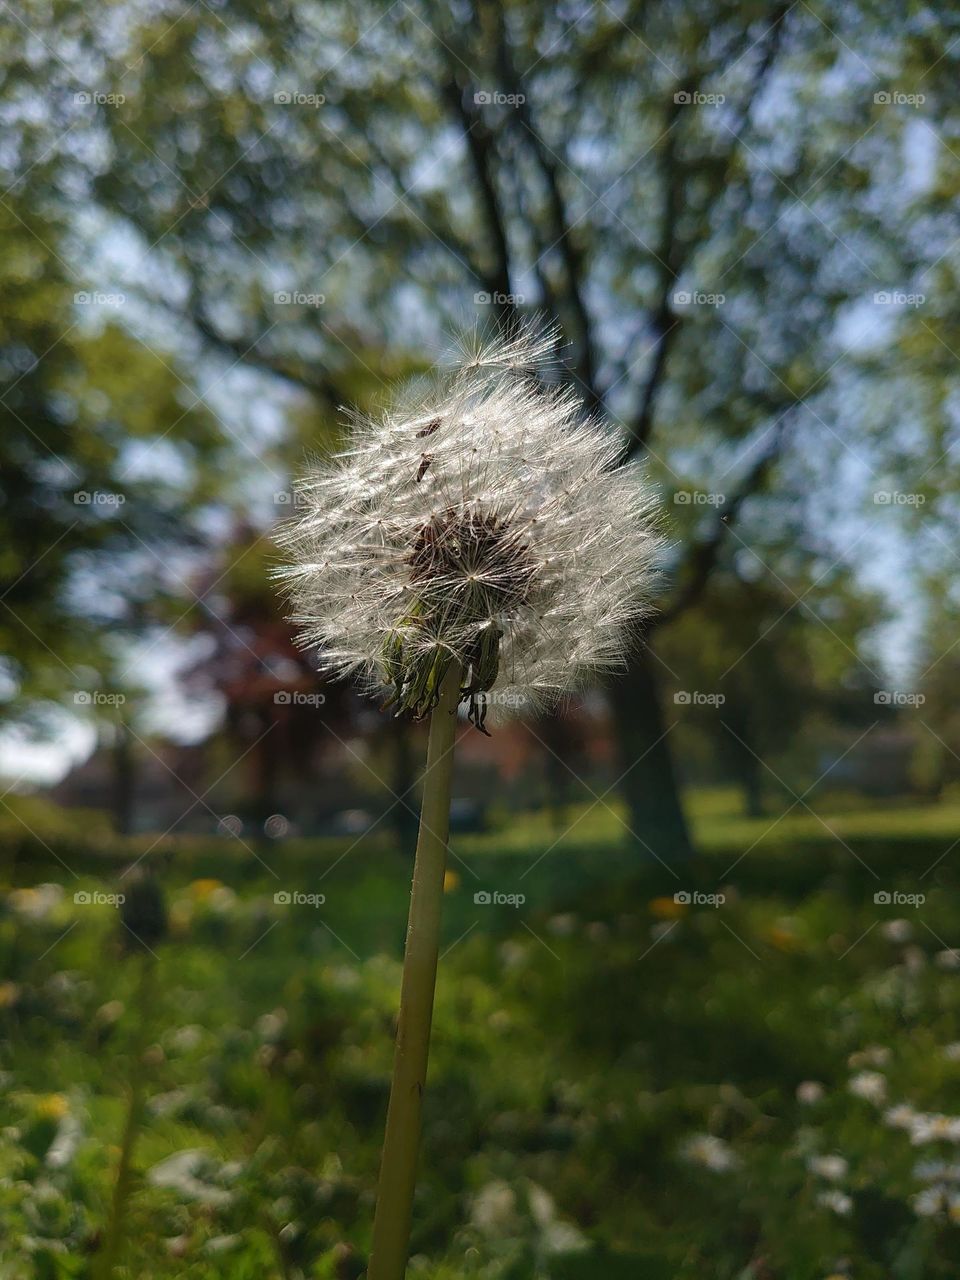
479, 520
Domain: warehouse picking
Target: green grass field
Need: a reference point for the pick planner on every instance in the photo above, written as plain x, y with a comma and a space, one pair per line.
614, 1079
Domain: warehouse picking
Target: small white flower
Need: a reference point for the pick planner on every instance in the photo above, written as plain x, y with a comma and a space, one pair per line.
949, 959
931, 1127
952, 1051
494, 1209
484, 523
897, 930
836, 1201
901, 1116
831, 1167
710, 1152
869, 1085
809, 1092
931, 1201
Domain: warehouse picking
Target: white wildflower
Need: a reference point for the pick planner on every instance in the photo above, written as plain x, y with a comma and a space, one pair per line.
952, 1051
902, 1116
809, 1092
937, 1171
949, 959
897, 930
931, 1201
869, 1085
710, 1152
836, 1201
494, 1209
484, 523
831, 1167
931, 1127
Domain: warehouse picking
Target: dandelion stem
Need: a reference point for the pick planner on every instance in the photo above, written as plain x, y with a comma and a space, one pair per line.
391, 1227
116, 1226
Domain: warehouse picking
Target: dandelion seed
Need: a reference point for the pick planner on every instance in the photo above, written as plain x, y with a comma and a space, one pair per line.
515, 547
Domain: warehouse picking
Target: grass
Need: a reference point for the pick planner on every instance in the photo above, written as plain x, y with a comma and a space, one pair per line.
614, 1074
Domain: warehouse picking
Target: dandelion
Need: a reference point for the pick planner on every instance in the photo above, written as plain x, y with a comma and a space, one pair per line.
475, 544
484, 529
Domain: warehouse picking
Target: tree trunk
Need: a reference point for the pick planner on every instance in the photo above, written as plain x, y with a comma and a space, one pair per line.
649, 783
123, 779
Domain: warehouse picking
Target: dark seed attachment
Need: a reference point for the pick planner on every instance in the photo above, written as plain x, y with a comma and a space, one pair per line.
468, 567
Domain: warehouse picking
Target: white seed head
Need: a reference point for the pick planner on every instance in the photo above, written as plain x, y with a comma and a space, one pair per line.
484, 522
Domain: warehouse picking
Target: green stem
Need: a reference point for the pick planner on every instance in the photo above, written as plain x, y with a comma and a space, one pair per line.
114, 1234
398, 1169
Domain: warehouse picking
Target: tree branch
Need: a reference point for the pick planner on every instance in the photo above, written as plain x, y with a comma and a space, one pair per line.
703, 556
673, 257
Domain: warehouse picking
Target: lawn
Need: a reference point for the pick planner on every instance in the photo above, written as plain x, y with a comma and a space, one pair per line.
758, 1082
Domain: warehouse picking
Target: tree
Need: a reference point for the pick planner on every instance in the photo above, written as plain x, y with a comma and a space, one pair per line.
708, 199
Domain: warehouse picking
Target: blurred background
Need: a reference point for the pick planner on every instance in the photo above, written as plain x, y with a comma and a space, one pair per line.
700, 921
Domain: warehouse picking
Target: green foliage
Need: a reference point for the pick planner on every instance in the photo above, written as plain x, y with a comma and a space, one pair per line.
613, 1075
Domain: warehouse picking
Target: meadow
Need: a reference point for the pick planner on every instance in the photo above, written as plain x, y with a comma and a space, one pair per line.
746, 1066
